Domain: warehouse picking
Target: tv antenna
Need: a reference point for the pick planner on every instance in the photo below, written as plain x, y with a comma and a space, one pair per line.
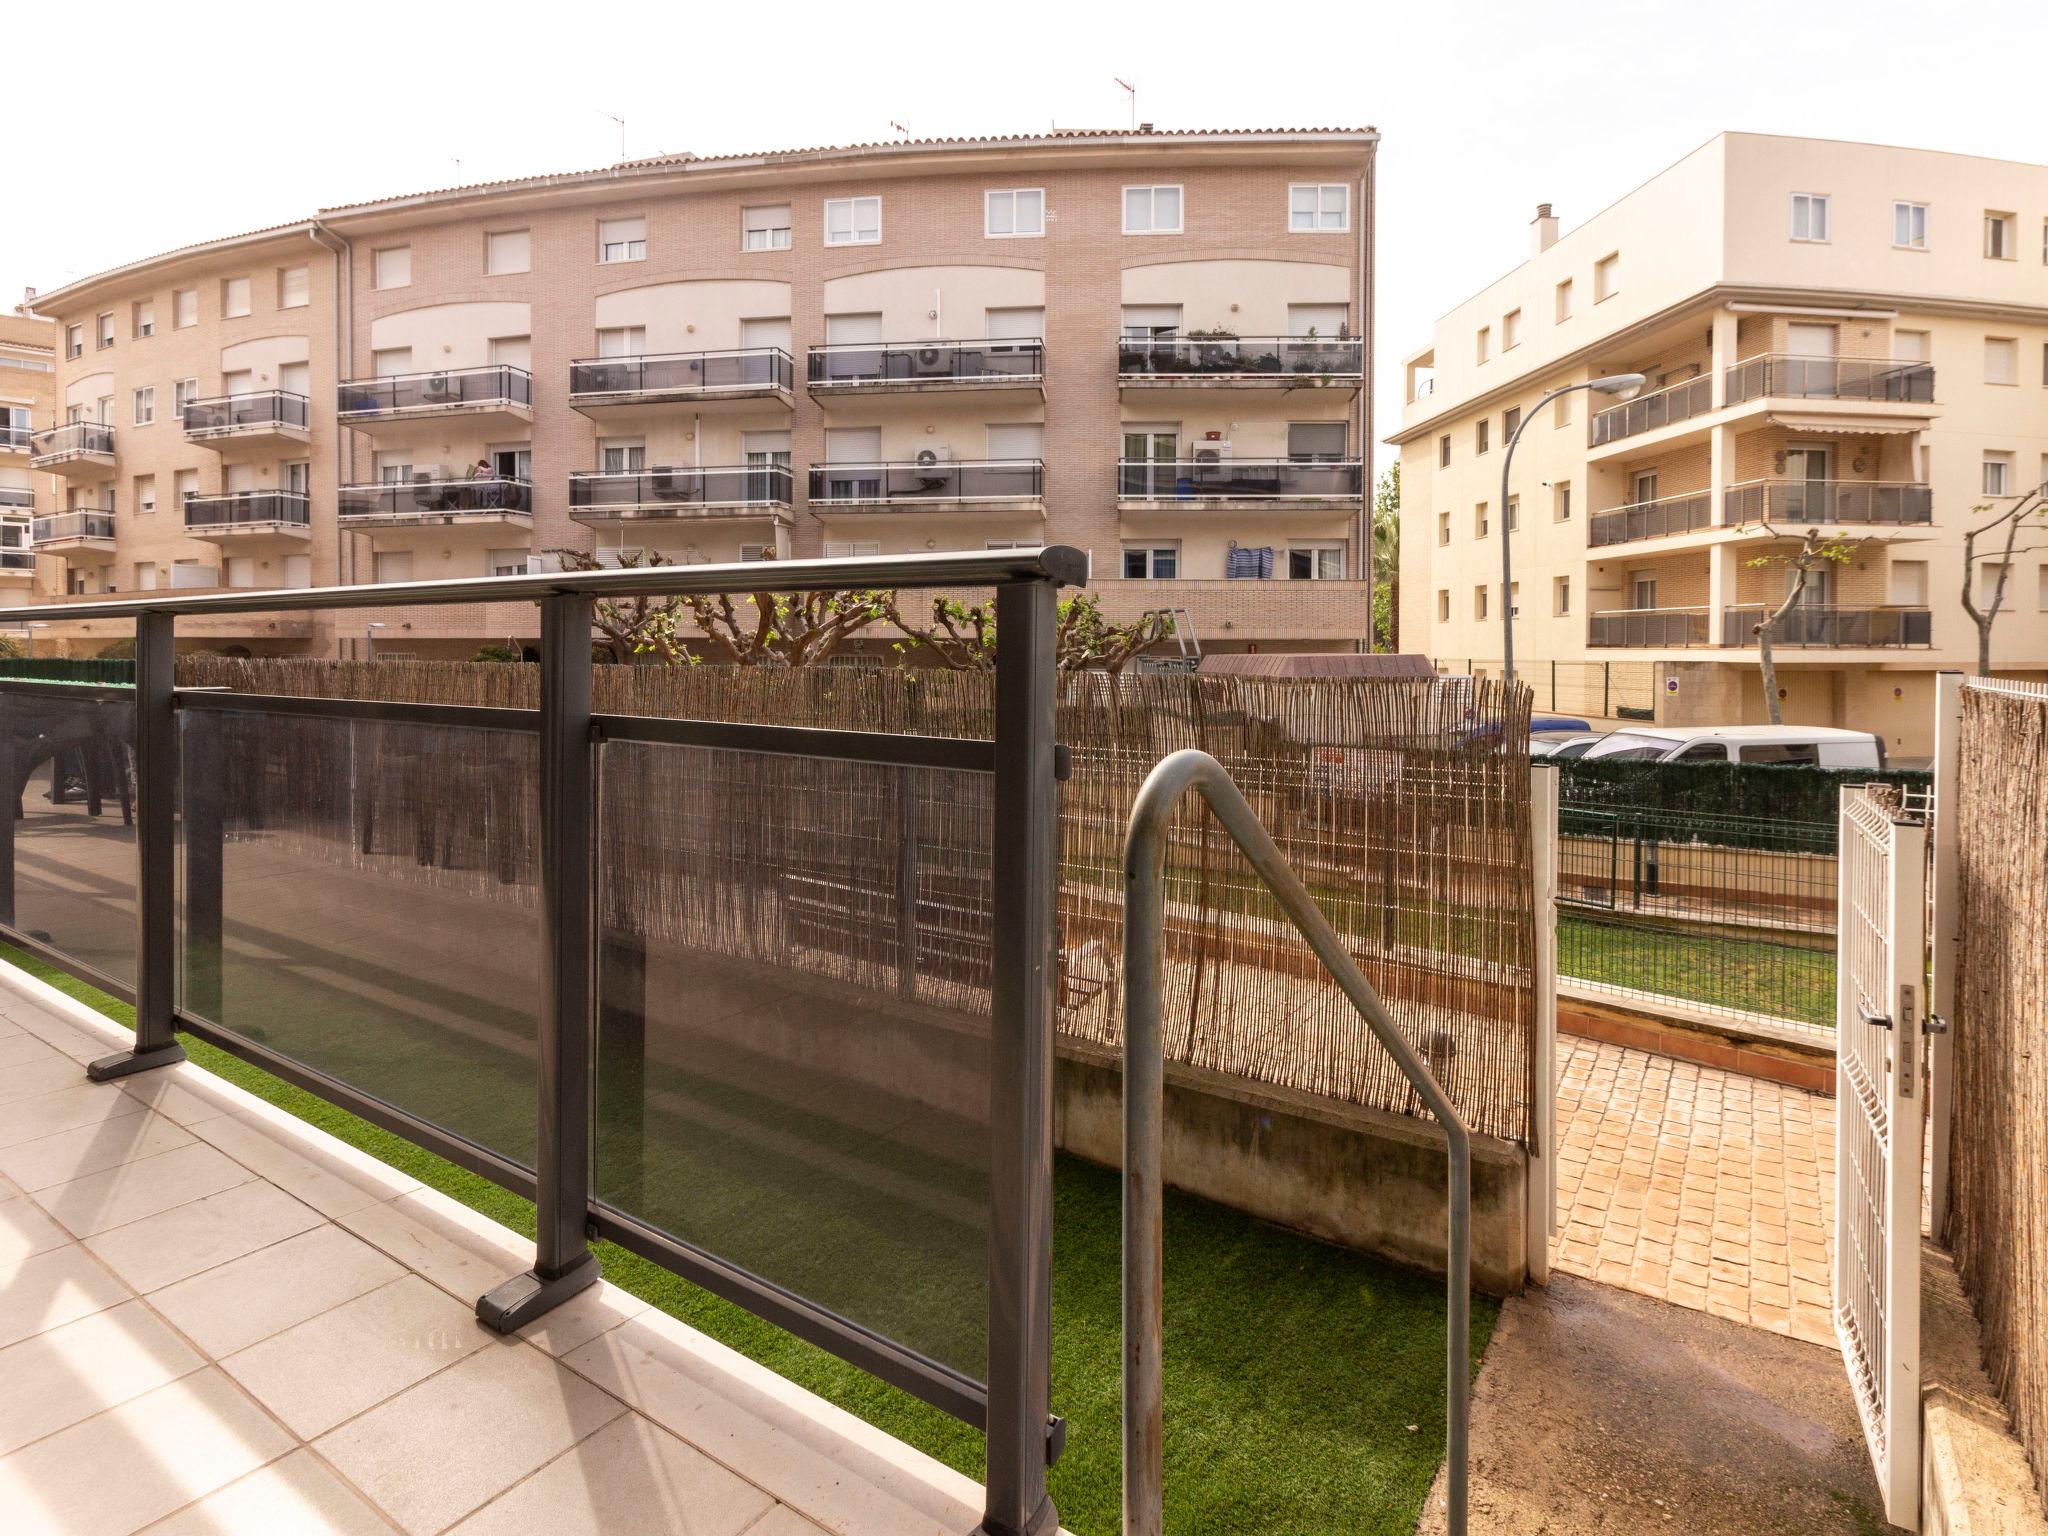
622, 129
899, 127
1131, 91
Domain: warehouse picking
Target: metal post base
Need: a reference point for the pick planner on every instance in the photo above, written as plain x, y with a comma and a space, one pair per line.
1045, 1523
121, 1063
525, 1297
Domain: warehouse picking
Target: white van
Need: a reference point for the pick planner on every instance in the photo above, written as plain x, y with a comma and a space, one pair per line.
1814, 745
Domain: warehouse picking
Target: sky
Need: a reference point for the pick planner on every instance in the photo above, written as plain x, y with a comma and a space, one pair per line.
150, 135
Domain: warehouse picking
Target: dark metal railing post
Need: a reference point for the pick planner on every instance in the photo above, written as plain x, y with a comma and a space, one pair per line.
1026, 872
205, 857
563, 1263
156, 847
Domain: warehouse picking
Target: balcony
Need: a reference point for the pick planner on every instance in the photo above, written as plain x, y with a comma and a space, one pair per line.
737, 492
265, 418
83, 531
493, 397
962, 368
1777, 375
1828, 626
1239, 362
1275, 484
1655, 628
1657, 519
251, 517
78, 450
1855, 502
625, 388
431, 503
14, 439
1646, 413
17, 561
944, 485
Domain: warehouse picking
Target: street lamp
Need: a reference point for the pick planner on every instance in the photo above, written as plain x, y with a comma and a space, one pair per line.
370, 640
32, 628
1622, 386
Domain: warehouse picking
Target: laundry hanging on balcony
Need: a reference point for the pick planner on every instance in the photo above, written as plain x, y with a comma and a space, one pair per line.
1250, 563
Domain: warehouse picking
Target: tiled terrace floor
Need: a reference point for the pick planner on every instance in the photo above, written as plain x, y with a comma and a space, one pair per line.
214, 1318
1696, 1186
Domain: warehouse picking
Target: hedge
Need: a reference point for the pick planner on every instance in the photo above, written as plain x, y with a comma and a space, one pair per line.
69, 669
1757, 790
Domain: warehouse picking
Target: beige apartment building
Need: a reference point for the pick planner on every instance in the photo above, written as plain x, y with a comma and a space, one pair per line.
1837, 336
1151, 345
28, 395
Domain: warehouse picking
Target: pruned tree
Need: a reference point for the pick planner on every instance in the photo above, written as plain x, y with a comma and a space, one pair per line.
1384, 567
2029, 508
784, 629
631, 626
962, 636
1814, 553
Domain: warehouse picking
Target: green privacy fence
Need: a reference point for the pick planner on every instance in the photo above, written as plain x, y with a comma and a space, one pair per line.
68, 669
1682, 792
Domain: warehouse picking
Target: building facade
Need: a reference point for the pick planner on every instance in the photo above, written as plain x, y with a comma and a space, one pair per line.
1841, 338
28, 395
1150, 345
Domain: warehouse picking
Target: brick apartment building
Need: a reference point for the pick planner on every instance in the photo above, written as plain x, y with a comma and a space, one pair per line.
1151, 345
28, 396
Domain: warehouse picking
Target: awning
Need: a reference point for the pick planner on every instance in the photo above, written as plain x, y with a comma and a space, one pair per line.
1848, 426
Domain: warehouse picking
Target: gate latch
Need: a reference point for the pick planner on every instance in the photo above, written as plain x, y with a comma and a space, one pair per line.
1936, 1024
1881, 1021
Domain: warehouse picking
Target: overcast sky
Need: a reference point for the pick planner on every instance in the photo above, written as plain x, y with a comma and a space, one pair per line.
147, 132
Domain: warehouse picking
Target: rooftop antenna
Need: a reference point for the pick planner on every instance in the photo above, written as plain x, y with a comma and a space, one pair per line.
622, 130
1131, 91
899, 127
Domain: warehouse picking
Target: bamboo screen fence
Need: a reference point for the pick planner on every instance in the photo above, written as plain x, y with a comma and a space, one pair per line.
1394, 800
1998, 1223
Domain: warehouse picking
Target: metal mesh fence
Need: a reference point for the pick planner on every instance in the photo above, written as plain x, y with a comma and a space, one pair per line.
1587, 690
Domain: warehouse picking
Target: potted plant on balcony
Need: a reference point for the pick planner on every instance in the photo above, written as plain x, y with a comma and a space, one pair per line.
1216, 350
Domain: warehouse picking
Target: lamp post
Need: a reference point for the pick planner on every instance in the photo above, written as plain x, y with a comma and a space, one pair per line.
370, 641
32, 628
1622, 386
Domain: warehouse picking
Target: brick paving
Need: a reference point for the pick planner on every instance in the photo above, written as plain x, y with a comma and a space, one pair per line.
1696, 1186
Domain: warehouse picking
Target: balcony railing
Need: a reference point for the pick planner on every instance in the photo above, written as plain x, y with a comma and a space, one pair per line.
1276, 357
242, 508
449, 390
1646, 413
946, 480
72, 440
1240, 479
18, 560
1827, 625
1653, 627
1827, 501
426, 498
1651, 519
1780, 375
14, 439
851, 365
89, 523
683, 373
15, 498
259, 408
682, 487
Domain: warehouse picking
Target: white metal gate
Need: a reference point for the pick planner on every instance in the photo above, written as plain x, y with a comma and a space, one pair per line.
1879, 976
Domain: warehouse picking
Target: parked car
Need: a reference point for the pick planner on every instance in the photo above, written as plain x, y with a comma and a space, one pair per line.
1558, 745
1810, 745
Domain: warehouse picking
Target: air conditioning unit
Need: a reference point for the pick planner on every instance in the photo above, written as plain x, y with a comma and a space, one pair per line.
938, 453
1211, 452
438, 386
929, 362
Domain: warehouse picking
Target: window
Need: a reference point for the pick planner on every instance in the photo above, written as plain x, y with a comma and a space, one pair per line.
765, 229
2001, 360
1479, 603
103, 330
1561, 502
1606, 277
857, 549
508, 250
241, 570
1014, 214
1443, 605
1480, 524
1510, 422
293, 290
391, 267
390, 362
1152, 210
145, 405
74, 341
1482, 343
1479, 434
145, 493
183, 393
1909, 226
1561, 411
184, 307
1911, 347
144, 318
1157, 562
234, 297
505, 562
1809, 216
1561, 596
1315, 562
145, 576
870, 546
1564, 300
1318, 442
621, 456
2041, 589
853, 221
1510, 330
1443, 451
393, 565
622, 341
2001, 236
1990, 578
185, 485
1322, 209
512, 352
1443, 527
750, 552
1997, 474
1909, 583
1514, 513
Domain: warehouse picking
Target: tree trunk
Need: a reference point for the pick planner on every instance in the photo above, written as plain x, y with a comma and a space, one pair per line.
1769, 667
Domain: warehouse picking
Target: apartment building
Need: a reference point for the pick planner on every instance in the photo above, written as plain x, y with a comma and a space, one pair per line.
28, 393
1151, 345
1841, 337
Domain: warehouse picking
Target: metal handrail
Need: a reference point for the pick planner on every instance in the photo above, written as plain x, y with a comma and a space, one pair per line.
1144, 1114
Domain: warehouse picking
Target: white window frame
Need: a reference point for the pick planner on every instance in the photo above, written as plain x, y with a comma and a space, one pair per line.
103, 330
182, 318
1511, 330
491, 239
2008, 225
1563, 303
853, 223
852, 549
1998, 468
145, 405
145, 318
1318, 550
785, 229
1152, 550
145, 493
2011, 348
1443, 605
284, 287
988, 208
1322, 190
1152, 191
1810, 208
1913, 212
378, 263
626, 249
74, 340
227, 300
1607, 277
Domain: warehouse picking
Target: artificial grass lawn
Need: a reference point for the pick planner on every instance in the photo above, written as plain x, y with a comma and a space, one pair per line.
1304, 1383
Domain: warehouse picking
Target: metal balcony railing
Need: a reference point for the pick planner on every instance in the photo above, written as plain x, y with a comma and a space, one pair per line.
1656, 627
95, 523
1687, 513
448, 390
1827, 501
1240, 479
945, 480
747, 368
14, 439
1829, 625
682, 487
415, 498
239, 508
1675, 402
1275, 357
258, 408
71, 440
1781, 375
850, 365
